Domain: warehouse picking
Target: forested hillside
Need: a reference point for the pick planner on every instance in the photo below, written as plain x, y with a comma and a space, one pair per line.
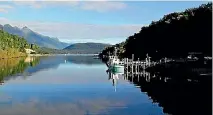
175, 35
12, 45
86, 48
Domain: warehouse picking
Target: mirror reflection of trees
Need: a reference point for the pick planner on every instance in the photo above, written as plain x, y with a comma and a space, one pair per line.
177, 96
30, 65
13, 66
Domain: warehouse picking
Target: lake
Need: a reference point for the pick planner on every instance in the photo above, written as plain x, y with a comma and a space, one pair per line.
81, 85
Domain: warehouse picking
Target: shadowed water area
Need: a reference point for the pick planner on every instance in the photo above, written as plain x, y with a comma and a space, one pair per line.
80, 85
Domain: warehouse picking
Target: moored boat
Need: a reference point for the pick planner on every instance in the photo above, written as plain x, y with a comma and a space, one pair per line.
115, 64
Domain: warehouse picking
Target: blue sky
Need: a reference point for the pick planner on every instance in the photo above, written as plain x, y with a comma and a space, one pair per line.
86, 21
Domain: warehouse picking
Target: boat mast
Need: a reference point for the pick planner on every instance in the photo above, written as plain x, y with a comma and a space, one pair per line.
115, 52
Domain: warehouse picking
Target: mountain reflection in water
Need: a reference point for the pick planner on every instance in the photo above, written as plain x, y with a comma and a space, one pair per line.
79, 85
10, 68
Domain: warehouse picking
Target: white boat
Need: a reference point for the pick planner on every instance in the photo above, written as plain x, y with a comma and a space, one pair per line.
115, 64
114, 60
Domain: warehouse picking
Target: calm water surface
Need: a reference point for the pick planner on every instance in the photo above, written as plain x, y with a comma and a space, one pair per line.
80, 85
71, 85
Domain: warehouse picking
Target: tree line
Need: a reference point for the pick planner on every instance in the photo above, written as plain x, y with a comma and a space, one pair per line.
174, 36
13, 45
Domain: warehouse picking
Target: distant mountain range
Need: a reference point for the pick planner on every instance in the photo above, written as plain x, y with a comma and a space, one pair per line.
86, 48
53, 45
34, 37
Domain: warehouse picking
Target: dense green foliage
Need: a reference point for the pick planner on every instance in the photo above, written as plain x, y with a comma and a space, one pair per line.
12, 45
12, 41
35, 38
174, 36
45, 50
78, 48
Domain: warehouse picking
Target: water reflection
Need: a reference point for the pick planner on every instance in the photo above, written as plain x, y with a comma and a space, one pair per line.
79, 85
114, 77
88, 60
65, 85
177, 96
11, 67
31, 65
53, 62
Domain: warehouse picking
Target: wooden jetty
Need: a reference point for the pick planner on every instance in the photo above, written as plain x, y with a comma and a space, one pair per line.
132, 65
136, 66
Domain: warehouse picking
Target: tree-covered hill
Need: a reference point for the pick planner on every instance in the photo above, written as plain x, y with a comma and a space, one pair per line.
77, 48
12, 45
175, 35
86, 48
45, 50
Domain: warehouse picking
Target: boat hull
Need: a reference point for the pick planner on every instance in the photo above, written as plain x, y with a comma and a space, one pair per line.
117, 68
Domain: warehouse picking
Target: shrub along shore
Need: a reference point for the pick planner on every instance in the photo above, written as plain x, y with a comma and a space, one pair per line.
11, 53
13, 46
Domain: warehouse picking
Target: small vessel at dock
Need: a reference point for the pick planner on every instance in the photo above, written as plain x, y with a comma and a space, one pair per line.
115, 64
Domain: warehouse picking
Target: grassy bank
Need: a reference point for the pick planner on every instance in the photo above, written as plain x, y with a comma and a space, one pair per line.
11, 53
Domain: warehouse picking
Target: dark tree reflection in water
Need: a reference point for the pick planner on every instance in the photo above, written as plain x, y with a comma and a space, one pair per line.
80, 85
176, 96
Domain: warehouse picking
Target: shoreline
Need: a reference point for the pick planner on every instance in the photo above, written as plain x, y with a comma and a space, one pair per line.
62, 54
37, 55
28, 55
1, 58
40, 54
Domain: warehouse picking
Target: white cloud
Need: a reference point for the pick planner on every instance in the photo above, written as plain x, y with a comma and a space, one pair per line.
41, 4
99, 6
38, 105
77, 31
102, 6
2, 19
5, 8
